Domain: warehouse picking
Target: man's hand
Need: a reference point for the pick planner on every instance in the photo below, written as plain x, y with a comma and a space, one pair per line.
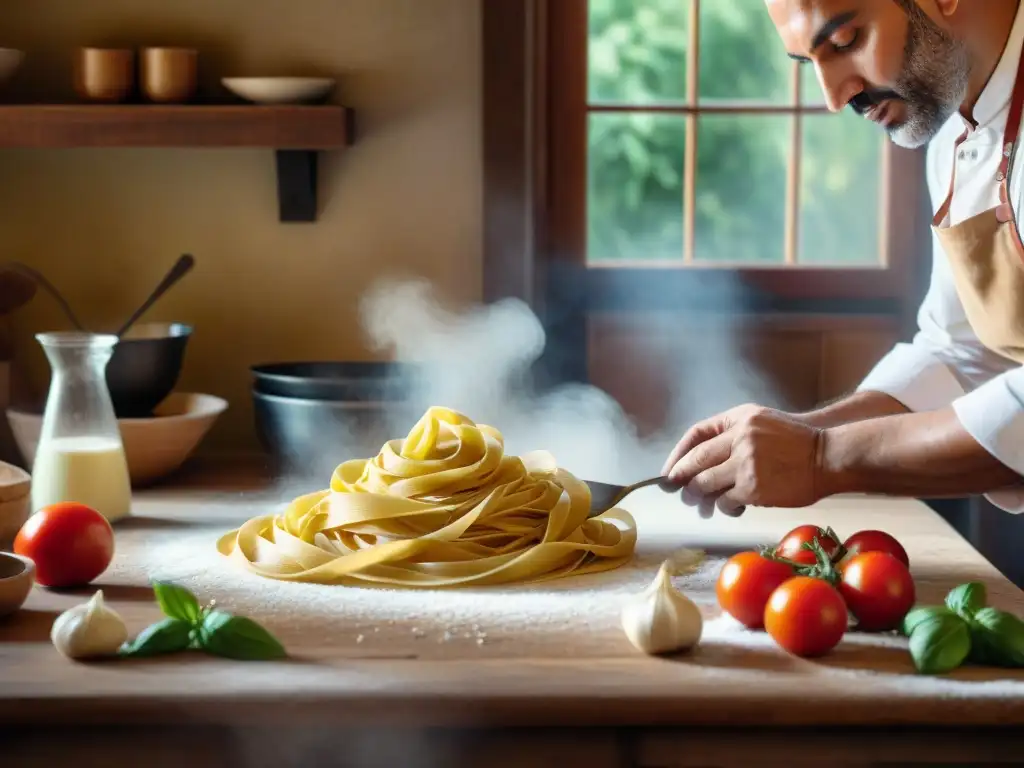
748, 455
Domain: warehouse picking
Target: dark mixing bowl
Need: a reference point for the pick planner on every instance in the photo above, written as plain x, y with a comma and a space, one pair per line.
311, 416
145, 367
309, 438
337, 381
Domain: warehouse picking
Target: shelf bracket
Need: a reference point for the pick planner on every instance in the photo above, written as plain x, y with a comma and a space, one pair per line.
297, 184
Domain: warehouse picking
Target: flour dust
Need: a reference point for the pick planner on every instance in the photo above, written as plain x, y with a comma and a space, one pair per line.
479, 361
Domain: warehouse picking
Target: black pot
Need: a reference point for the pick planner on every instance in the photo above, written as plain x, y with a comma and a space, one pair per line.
309, 438
336, 381
145, 367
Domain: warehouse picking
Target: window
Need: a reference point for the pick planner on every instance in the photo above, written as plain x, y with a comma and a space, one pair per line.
683, 144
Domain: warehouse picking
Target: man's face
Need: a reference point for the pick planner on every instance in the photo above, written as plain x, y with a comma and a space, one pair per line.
893, 61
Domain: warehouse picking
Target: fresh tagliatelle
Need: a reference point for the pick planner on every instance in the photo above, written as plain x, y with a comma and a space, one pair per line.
444, 507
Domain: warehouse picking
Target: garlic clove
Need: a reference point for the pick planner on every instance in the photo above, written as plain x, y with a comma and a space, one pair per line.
662, 619
89, 630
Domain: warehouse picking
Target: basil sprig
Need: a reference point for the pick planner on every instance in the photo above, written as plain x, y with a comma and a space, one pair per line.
188, 625
965, 629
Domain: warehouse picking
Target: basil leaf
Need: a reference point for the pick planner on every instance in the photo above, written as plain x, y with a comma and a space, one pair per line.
166, 636
237, 637
967, 599
998, 638
919, 615
177, 602
939, 643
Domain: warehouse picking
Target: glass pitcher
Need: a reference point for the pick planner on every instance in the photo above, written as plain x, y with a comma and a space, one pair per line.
80, 456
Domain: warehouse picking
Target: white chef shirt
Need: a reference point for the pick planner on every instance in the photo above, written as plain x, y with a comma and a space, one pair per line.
945, 363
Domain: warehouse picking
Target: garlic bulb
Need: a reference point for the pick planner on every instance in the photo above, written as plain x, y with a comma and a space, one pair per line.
89, 630
661, 619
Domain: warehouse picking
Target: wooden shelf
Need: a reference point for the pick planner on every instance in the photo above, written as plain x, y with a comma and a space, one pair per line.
295, 132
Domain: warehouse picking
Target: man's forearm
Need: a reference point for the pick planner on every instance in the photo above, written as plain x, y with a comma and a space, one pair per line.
856, 407
927, 455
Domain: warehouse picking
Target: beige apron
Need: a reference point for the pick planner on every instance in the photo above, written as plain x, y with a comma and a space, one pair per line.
986, 254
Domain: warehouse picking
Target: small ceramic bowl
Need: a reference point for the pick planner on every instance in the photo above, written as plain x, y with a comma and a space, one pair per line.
17, 574
280, 90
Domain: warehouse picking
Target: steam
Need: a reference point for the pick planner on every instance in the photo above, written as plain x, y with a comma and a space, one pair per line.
478, 362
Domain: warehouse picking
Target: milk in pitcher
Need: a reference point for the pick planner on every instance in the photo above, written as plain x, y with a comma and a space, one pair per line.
80, 457
89, 470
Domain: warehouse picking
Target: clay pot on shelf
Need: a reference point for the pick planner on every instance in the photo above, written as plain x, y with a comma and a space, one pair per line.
169, 75
104, 74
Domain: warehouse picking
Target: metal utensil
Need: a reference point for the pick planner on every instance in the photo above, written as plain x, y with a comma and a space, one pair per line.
17, 266
181, 268
604, 496
16, 290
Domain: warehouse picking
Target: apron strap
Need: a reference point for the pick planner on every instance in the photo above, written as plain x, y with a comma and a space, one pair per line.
1011, 134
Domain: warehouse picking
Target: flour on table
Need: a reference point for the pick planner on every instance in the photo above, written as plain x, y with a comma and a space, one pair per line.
483, 615
574, 618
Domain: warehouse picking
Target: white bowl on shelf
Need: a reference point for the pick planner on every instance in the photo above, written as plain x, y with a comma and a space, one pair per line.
154, 447
279, 90
10, 60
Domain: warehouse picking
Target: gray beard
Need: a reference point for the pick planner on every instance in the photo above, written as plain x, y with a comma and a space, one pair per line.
933, 82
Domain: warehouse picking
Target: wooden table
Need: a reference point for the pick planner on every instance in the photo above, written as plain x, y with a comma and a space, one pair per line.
546, 678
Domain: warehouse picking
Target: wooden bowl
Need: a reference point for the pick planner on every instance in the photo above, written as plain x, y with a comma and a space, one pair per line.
15, 488
155, 447
17, 575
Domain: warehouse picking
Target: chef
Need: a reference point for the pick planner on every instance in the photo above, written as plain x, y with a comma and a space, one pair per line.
943, 415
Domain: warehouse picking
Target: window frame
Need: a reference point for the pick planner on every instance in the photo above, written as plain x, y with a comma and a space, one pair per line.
535, 165
902, 171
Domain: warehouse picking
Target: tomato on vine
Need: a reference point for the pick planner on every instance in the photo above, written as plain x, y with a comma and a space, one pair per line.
806, 616
745, 583
878, 589
875, 541
796, 546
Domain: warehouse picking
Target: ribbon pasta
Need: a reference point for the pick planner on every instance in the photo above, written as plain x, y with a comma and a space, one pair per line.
444, 507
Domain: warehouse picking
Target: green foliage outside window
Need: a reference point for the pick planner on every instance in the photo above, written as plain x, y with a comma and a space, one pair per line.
638, 55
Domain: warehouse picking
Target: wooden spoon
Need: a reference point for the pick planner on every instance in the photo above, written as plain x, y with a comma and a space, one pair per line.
181, 268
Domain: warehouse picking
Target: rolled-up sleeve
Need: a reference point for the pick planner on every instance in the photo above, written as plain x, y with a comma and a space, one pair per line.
915, 376
993, 414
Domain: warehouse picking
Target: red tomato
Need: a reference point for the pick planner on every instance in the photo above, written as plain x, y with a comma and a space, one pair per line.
70, 543
875, 541
792, 545
878, 590
806, 616
745, 583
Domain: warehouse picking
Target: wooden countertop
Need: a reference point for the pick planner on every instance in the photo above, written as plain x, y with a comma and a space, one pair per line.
545, 655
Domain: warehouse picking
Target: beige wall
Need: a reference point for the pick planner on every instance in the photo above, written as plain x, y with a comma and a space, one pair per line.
105, 224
